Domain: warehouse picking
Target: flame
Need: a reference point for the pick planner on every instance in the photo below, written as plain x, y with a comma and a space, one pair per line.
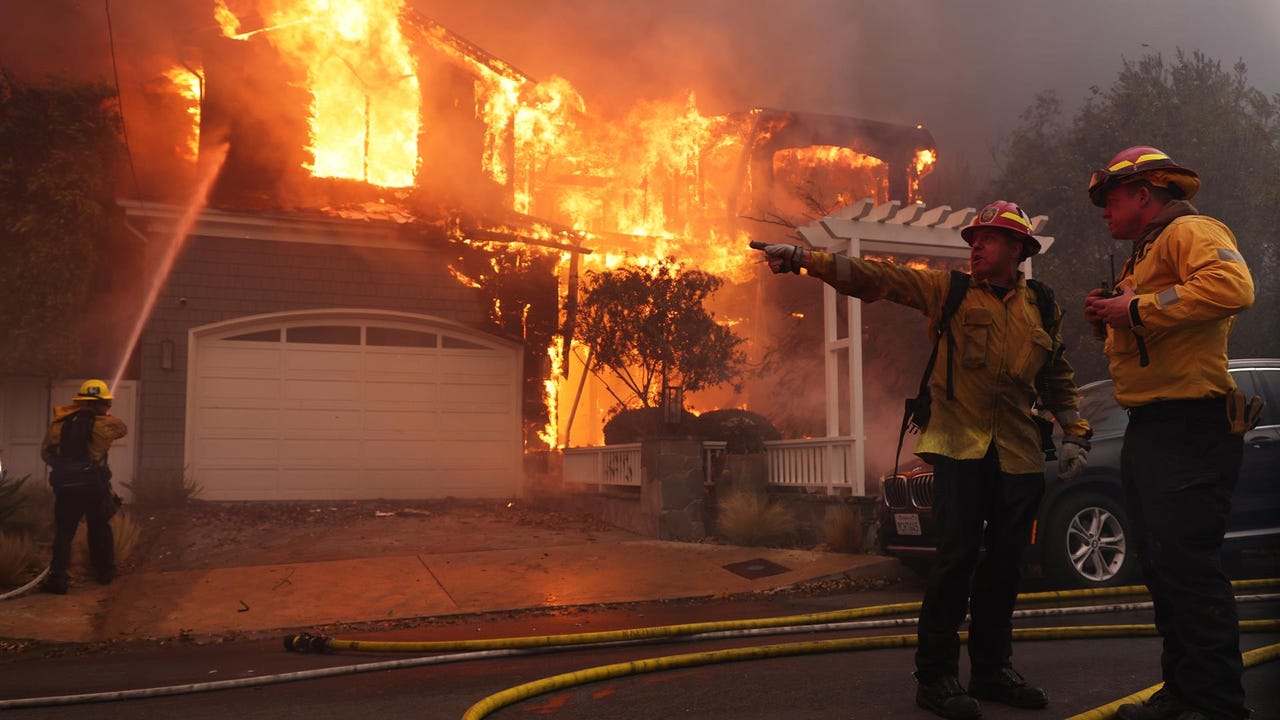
922, 166
550, 435
189, 84
226, 19
363, 80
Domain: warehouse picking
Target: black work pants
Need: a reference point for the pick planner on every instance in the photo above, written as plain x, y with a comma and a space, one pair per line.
69, 506
1179, 465
968, 493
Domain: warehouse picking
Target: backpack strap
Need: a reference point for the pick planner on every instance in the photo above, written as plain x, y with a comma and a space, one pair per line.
956, 289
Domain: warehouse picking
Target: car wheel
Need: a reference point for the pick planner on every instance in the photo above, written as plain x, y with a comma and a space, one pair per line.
1089, 543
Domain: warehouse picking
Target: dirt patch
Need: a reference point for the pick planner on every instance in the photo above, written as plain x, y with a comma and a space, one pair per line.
207, 535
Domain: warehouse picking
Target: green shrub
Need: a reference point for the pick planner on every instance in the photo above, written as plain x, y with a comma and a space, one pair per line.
637, 424
34, 514
163, 489
11, 497
751, 519
17, 558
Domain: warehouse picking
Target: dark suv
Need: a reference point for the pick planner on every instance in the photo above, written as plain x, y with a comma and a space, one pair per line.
1082, 537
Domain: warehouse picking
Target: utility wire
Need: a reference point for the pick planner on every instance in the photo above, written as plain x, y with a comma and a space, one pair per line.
124, 131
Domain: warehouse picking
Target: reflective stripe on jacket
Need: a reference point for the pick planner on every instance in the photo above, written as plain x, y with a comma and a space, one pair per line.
1190, 283
1000, 348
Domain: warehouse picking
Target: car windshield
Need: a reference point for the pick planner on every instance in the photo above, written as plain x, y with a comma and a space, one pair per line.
1098, 406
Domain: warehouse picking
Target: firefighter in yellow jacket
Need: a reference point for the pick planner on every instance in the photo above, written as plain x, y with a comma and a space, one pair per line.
75, 448
982, 441
1166, 326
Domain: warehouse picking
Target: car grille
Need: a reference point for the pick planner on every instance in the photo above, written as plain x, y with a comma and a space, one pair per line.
914, 491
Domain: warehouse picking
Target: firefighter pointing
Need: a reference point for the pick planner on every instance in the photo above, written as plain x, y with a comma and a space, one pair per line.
997, 349
75, 448
1166, 338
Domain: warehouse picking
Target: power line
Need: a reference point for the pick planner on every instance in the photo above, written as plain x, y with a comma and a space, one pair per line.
124, 131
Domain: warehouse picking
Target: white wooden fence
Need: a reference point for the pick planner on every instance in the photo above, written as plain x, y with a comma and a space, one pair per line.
818, 464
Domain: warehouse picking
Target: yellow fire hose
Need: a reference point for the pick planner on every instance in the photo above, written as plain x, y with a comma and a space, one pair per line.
306, 642
527, 690
1107, 712
707, 630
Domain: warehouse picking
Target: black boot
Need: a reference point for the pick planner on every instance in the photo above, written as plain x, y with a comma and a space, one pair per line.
945, 697
1007, 686
1163, 705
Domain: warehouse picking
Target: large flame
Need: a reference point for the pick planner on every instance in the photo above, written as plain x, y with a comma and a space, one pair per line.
363, 81
663, 180
189, 86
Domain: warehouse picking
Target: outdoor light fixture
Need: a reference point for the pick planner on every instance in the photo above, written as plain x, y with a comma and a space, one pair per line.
672, 404
166, 354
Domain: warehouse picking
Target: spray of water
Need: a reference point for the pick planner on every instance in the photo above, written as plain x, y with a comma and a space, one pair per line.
211, 163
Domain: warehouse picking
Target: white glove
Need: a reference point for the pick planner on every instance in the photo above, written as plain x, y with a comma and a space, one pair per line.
781, 256
1072, 459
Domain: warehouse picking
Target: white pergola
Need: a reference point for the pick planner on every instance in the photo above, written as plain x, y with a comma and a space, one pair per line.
865, 227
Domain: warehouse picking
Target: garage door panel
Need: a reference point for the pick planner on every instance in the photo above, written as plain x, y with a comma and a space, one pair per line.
239, 484
323, 358
409, 454
397, 423
487, 365
318, 393
413, 364
401, 393
218, 387
225, 419
329, 421
486, 394
317, 452
308, 420
235, 451
240, 357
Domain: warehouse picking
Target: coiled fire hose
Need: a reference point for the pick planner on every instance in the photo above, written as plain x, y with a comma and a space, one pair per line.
483, 649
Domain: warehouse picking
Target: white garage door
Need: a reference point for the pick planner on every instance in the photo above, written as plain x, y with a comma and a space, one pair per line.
352, 404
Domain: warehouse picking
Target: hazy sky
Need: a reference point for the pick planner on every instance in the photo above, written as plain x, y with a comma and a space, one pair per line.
964, 69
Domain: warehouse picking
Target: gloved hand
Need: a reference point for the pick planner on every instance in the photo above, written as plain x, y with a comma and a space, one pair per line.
781, 256
1073, 458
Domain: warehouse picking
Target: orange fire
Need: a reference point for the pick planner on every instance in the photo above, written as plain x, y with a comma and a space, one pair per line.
366, 100
665, 180
189, 85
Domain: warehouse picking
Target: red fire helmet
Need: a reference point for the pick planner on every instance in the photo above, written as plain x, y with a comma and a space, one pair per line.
1005, 215
1143, 162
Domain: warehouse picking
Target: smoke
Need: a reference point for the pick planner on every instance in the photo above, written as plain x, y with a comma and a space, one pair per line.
965, 70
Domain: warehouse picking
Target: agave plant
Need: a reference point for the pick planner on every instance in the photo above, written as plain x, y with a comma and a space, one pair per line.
11, 497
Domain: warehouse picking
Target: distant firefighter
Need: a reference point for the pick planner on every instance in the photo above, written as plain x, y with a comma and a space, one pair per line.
75, 448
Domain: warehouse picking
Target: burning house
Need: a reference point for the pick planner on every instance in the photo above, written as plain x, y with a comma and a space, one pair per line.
370, 290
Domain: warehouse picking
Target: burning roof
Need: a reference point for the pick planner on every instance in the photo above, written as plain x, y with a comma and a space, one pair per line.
342, 103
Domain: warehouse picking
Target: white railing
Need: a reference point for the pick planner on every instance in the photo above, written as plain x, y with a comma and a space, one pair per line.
605, 465
813, 463
817, 463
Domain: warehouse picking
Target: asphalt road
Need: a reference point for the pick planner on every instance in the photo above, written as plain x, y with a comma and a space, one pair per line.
1079, 674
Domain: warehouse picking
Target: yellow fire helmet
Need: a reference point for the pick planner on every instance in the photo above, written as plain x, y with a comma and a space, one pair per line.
94, 390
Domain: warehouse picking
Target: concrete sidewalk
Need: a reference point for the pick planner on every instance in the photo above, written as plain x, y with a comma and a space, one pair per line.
260, 598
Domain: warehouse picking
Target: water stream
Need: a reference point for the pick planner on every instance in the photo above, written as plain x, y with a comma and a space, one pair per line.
211, 165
